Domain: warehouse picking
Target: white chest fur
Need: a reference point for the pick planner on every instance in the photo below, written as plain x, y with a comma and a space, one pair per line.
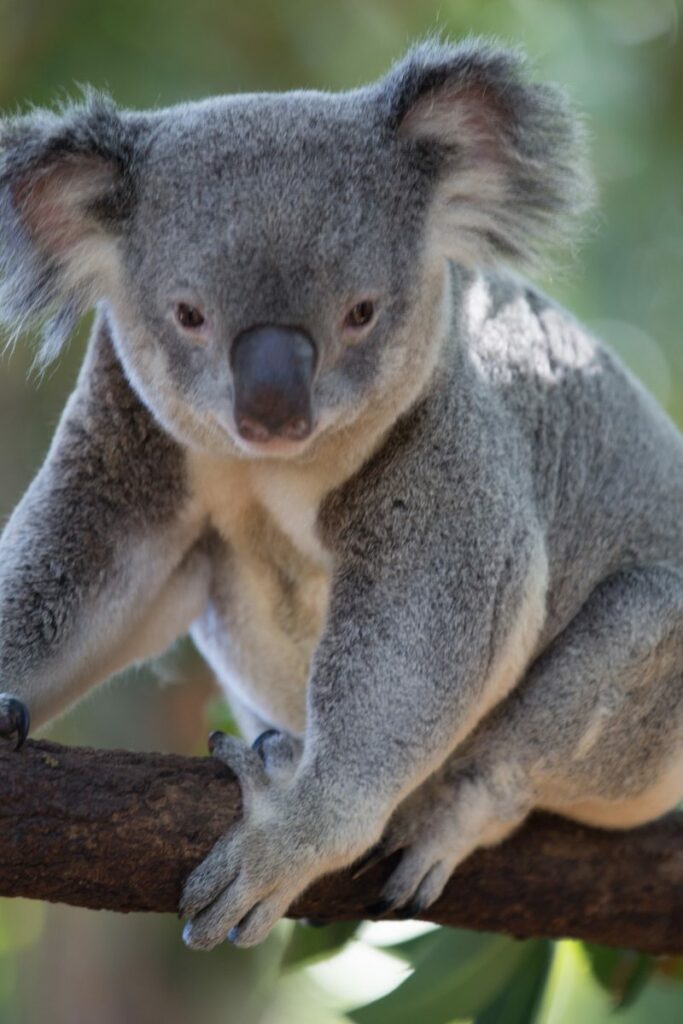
269, 596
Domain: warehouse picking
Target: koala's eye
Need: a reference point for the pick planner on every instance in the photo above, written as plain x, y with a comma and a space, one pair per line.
360, 315
189, 317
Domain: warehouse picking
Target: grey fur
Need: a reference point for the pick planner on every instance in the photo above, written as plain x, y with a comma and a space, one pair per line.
35, 149
461, 597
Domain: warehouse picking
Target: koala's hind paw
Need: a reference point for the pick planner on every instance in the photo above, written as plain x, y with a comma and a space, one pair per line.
15, 720
437, 828
429, 855
416, 882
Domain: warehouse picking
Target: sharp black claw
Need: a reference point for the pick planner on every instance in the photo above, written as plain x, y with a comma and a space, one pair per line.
373, 856
213, 739
380, 908
411, 910
23, 722
406, 913
257, 745
17, 722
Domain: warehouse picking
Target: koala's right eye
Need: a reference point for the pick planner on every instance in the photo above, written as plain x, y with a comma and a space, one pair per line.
189, 317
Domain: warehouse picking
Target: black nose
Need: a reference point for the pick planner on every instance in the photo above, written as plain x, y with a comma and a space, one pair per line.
273, 371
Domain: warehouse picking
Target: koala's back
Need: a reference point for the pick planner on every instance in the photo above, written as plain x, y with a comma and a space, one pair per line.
605, 460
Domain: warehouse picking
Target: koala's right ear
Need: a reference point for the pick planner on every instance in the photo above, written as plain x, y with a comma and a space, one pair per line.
66, 186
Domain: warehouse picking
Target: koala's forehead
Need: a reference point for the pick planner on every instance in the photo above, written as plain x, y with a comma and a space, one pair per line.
295, 162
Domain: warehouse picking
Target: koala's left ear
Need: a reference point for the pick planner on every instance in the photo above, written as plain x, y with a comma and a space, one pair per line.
66, 186
508, 154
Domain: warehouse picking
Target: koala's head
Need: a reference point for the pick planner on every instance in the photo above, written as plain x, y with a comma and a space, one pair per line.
273, 265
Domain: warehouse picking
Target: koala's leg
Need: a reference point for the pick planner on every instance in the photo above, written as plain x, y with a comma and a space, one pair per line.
98, 564
594, 731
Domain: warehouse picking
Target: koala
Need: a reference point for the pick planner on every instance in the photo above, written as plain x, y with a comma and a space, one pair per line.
425, 529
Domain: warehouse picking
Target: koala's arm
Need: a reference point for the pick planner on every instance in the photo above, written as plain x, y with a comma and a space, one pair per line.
437, 602
97, 564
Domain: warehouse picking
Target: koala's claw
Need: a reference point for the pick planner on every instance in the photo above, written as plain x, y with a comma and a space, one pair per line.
278, 751
213, 739
411, 910
14, 720
261, 741
379, 852
379, 909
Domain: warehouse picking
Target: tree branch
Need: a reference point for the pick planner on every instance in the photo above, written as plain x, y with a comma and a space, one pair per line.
120, 831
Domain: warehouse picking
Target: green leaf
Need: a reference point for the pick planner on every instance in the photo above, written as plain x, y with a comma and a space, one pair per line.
416, 950
622, 972
519, 1002
309, 944
461, 975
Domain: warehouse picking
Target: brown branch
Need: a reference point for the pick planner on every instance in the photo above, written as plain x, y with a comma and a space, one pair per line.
117, 830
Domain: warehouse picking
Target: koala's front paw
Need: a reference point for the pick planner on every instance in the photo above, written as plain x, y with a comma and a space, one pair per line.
256, 870
14, 719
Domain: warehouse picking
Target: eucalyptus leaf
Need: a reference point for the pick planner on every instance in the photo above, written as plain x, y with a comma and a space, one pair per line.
519, 1002
307, 944
463, 973
622, 972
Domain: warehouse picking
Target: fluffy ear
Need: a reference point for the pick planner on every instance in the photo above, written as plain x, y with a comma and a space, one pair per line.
509, 154
66, 185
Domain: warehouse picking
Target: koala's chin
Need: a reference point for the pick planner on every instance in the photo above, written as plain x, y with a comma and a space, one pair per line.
274, 447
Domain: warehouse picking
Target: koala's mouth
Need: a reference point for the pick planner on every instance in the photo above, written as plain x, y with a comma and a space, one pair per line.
273, 447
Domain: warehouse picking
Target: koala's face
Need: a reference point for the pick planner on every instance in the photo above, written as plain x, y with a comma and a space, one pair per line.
271, 268
274, 266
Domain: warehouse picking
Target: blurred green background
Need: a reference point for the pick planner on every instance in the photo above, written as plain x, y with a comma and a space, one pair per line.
622, 60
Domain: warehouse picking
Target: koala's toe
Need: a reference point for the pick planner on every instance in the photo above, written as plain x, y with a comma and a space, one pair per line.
15, 720
262, 742
256, 925
217, 871
417, 882
377, 853
242, 759
426, 893
279, 752
212, 925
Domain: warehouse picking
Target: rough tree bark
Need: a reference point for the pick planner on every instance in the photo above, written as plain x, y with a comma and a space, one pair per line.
120, 831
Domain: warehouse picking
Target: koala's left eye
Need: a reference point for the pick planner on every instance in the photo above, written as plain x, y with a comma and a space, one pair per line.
360, 315
189, 317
